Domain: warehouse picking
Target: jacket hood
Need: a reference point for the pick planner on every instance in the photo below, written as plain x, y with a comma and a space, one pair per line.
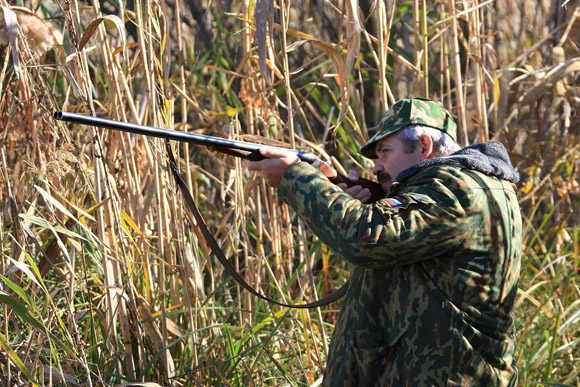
490, 158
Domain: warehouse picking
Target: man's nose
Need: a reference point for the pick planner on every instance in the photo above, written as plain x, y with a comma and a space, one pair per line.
377, 168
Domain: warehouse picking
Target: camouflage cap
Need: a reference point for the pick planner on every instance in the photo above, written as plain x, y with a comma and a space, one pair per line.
414, 111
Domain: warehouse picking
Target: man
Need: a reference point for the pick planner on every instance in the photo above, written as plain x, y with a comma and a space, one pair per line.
435, 263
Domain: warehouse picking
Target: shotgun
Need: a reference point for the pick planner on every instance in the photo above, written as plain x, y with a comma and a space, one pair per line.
246, 150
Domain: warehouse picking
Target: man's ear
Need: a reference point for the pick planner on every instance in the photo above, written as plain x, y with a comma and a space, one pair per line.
426, 144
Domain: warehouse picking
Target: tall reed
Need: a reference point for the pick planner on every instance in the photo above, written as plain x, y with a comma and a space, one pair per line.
105, 278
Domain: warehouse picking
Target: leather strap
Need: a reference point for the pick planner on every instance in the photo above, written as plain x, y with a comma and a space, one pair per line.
210, 240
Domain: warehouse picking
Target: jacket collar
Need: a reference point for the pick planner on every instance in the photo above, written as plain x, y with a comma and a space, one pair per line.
490, 158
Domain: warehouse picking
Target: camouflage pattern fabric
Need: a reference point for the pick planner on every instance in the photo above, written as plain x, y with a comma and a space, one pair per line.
434, 277
407, 112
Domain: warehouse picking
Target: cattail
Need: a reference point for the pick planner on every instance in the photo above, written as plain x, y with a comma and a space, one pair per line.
58, 164
40, 35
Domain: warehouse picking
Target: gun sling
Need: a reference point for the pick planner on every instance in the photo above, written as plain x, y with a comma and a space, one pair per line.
215, 248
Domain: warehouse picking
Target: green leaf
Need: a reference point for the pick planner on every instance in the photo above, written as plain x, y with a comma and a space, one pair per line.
22, 311
19, 291
52, 226
25, 268
15, 359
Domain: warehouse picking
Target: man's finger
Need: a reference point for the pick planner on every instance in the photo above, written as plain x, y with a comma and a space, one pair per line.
364, 196
354, 190
275, 153
358, 192
353, 176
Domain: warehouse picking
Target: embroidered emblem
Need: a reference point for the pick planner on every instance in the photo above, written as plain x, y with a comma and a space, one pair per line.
393, 202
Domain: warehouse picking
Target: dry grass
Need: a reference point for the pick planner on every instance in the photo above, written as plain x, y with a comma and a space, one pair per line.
105, 278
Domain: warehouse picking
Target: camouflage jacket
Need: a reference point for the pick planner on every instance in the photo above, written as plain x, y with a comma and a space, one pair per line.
435, 270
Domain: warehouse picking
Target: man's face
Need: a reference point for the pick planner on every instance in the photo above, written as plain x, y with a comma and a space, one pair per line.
392, 159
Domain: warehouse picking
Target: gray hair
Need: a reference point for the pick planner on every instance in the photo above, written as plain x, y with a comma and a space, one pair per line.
443, 145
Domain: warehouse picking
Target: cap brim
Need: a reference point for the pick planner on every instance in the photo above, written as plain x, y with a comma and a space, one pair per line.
368, 150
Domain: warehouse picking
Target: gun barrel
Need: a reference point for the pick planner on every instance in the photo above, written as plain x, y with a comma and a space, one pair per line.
199, 139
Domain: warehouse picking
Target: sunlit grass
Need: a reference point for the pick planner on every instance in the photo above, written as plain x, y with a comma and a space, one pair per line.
104, 277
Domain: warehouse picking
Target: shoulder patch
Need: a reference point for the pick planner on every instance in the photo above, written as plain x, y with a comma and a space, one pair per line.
393, 202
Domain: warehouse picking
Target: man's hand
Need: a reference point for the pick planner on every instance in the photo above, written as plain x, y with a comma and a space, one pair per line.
274, 166
356, 191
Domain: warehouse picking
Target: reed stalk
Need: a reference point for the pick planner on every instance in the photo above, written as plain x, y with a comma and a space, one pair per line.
118, 285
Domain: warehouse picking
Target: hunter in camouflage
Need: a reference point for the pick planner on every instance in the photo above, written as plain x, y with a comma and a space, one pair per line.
434, 265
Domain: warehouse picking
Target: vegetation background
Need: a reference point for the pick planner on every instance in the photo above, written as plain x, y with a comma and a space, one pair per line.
104, 278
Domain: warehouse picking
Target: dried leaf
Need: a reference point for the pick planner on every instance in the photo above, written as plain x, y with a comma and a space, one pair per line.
155, 335
353, 30
129, 221
338, 64
92, 28
554, 75
12, 36
342, 80
496, 89
263, 17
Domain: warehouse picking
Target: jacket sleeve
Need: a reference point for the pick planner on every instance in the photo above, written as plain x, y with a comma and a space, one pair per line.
416, 224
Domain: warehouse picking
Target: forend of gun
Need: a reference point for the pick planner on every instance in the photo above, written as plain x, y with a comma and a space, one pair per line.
243, 149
